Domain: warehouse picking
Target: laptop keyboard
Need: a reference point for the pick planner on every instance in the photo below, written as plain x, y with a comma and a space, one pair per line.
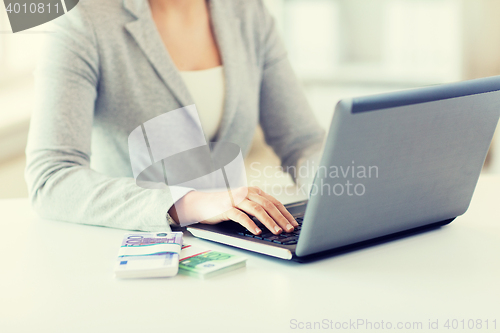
284, 238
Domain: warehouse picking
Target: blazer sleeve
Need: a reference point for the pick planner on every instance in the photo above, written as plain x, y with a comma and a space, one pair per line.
286, 118
61, 184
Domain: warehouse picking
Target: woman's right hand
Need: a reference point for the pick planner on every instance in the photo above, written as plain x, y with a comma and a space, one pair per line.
196, 206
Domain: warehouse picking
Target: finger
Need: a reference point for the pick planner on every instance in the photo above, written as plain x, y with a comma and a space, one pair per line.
238, 216
256, 210
272, 211
281, 208
255, 189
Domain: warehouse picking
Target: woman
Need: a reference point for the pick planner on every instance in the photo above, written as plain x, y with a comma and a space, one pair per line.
112, 65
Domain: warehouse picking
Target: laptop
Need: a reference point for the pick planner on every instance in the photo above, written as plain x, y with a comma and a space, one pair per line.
413, 159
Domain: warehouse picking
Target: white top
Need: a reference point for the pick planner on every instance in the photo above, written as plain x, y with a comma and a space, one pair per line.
207, 87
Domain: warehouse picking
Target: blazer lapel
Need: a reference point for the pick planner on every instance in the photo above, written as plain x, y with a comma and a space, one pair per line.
145, 33
226, 30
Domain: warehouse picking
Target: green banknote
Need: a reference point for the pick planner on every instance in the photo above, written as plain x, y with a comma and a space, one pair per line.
202, 263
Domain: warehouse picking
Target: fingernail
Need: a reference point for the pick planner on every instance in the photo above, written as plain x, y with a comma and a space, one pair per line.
257, 231
289, 227
277, 229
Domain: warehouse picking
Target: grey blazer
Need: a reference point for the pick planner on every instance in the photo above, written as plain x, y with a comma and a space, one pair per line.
106, 71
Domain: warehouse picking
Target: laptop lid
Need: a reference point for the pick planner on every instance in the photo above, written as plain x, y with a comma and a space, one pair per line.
399, 161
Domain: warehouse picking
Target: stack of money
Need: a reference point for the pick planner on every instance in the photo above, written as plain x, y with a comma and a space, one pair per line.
202, 263
149, 255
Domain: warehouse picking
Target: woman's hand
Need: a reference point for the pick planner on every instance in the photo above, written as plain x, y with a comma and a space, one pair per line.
196, 206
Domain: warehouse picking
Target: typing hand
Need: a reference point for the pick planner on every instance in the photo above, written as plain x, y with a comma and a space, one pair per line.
256, 202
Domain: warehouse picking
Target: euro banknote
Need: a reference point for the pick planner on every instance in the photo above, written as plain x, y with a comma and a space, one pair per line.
149, 255
203, 263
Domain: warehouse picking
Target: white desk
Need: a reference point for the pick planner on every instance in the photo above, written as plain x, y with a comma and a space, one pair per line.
58, 277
